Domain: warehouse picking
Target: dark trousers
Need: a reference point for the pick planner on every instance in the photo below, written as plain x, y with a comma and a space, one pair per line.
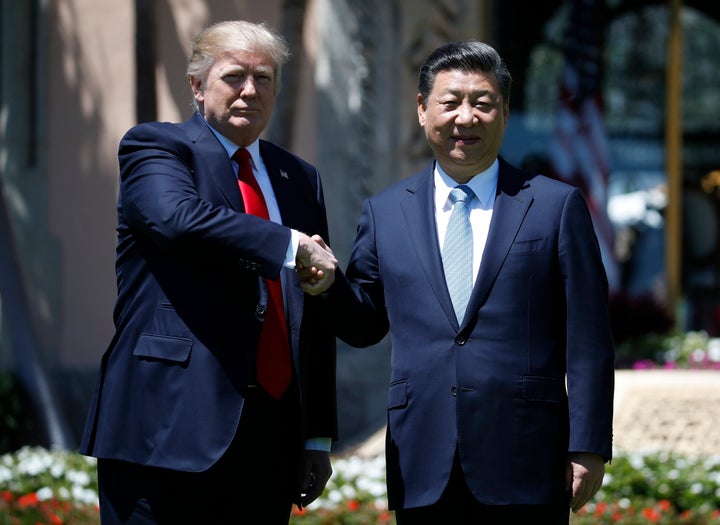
254, 482
458, 506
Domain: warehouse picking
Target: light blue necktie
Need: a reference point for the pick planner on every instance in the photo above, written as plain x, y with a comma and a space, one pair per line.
457, 253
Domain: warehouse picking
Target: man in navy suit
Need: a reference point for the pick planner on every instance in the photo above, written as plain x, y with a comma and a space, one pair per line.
187, 425
499, 412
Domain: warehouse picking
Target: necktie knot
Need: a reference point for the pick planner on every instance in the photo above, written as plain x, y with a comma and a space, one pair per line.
241, 155
461, 193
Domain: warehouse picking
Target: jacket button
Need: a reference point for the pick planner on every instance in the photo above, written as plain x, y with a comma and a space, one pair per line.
453, 391
260, 310
460, 340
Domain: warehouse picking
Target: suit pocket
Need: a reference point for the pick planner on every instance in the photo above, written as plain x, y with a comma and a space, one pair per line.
543, 389
166, 348
397, 397
528, 246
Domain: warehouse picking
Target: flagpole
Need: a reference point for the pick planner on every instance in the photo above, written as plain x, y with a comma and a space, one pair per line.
673, 159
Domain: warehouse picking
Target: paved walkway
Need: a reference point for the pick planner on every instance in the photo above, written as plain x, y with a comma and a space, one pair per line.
669, 410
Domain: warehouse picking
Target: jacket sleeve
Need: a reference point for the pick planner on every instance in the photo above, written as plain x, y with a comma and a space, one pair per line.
357, 297
169, 196
590, 348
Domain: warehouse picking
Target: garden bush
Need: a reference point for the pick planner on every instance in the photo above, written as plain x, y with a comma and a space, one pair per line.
39, 487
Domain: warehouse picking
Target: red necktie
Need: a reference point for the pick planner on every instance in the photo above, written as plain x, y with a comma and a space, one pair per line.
274, 368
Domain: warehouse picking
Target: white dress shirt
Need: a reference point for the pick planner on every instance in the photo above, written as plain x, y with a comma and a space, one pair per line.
484, 185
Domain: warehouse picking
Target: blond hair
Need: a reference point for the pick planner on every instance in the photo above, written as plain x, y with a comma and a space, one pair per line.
236, 35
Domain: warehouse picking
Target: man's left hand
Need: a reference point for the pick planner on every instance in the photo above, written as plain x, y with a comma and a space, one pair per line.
317, 471
585, 473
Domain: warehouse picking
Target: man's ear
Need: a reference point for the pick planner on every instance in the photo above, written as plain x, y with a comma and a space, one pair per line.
421, 109
197, 88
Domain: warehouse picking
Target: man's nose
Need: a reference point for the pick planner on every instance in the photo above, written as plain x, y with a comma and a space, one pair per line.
465, 114
248, 87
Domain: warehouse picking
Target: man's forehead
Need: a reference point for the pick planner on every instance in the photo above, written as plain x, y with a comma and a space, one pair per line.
244, 61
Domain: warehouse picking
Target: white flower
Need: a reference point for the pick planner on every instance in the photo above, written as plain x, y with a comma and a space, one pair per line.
698, 355
57, 470
78, 477
637, 461
714, 350
348, 491
335, 496
45, 493
84, 495
5, 474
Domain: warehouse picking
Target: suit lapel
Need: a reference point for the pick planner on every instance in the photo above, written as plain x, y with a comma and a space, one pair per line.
283, 184
216, 160
418, 209
511, 205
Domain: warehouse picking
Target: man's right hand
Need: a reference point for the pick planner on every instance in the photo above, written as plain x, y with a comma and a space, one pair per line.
315, 264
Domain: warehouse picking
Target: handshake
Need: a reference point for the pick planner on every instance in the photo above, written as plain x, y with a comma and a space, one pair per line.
315, 264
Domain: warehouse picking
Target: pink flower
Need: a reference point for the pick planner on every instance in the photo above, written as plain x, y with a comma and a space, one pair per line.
643, 364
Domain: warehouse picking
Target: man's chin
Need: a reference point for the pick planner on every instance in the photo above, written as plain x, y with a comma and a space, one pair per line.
241, 128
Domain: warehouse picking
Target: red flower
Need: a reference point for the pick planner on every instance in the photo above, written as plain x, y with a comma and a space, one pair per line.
600, 509
664, 505
28, 500
353, 505
7, 496
55, 519
297, 511
651, 514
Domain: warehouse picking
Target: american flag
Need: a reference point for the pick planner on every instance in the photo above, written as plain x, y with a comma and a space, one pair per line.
580, 150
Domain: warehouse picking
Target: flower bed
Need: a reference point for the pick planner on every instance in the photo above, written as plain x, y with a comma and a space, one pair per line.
39, 487
680, 350
662, 488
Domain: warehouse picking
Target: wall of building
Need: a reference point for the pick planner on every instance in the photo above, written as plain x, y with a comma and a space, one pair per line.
353, 115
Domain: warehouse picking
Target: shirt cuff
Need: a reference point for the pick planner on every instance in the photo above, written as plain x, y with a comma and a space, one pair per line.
318, 443
292, 249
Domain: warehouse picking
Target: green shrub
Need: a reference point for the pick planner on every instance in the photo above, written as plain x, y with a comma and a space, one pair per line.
15, 414
42, 487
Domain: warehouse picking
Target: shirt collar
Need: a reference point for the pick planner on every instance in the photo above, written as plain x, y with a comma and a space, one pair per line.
231, 147
483, 185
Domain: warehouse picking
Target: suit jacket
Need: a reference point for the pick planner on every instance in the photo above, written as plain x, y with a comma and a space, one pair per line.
494, 388
191, 294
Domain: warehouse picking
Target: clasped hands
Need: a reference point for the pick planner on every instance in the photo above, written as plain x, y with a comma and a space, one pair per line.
315, 264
